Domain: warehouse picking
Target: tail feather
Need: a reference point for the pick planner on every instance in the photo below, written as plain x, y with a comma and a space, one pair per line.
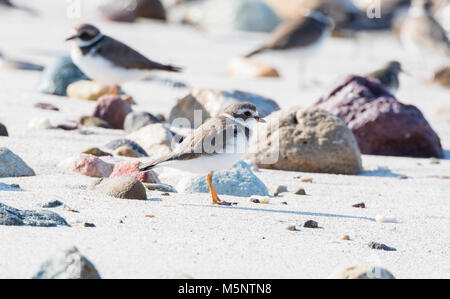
147, 166
169, 68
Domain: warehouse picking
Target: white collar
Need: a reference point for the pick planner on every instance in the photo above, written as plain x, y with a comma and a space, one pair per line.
242, 123
83, 44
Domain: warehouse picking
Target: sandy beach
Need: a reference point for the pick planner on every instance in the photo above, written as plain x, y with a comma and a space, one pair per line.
187, 236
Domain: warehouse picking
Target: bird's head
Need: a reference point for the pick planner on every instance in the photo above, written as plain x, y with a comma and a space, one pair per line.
85, 35
244, 112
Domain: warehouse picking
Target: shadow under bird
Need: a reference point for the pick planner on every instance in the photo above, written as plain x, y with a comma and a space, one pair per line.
109, 61
298, 37
389, 76
216, 145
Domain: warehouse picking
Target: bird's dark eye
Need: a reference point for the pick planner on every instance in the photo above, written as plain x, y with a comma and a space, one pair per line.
247, 113
85, 36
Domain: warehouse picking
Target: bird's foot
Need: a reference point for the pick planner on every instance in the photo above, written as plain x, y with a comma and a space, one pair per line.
223, 203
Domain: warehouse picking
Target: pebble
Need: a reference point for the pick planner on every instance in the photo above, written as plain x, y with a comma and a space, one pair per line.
385, 219
280, 189
126, 151
95, 151
92, 121
92, 166
346, 237
131, 169
362, 272
306, 180
12, 165
52, 204
254, 200
15, 217
69, 209
46, 106
359, 205
115, 144
379, 246
293, 228
87, 224
160, 187
112, 109
121, 187
247, 68
434, 161
300, 191
136, 120
41, 123
311, 224
3, 130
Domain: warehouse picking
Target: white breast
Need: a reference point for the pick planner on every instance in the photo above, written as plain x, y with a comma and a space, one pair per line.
100, 69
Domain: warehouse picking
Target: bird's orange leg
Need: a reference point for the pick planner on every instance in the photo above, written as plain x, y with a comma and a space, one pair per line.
215, 198
114, 90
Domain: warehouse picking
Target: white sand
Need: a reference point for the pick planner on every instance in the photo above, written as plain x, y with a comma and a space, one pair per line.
187, 235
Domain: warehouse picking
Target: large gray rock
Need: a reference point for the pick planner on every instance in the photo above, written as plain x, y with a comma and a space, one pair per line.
12, 165
13, 216
255, 15
236, 181
69, 264
212, 102
362, 272
59, 75
311, 140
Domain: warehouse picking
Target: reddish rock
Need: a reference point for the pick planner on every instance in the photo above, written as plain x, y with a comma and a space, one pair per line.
131, 169
113, 110
92, 166
381, 124
150, 9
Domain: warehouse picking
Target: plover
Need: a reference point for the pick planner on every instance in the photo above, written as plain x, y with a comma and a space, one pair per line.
300, 36
216, 145
109, 61
422, 34
388, 76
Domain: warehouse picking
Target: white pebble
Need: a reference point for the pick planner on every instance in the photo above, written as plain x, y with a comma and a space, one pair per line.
385, 219
40, 124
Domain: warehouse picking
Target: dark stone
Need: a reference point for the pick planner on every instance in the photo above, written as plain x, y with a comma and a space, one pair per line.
136, 120
52, 204
381, 124
87, 224
115, 144
12, 216
113, 110
379, 246
3, 130
150, 9
442, 77
359, 205
46, 106
67, 127
59, 75
311, 224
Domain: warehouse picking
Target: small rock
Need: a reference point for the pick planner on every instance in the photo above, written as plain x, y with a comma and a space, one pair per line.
113, 110
136, 120
379, 246
306, 180
41, 123
363, 272
236, 181
254, 200
434, 161
359, 205
92, 121
16, 217
70, 264
300, 191
149, 216
115, 144
52, 204
87, 224
12, 165
67, 127
442, 77
247, 68
59, 75
385, 219
280, 189
311, 224
165, 194
293, 228
346, 237
160, 187
3, 130
154, 134
95, 151
131, 169
46, 106
92, 166
126, 151
122, 187
69, 209
87, 90
255, 16
284, 203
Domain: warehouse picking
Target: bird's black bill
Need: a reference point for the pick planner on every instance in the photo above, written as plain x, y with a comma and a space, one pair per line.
71, 38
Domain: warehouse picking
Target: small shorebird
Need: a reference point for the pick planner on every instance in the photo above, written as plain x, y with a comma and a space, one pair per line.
388, 76
216, 145
422, 34
109, 61
300, 36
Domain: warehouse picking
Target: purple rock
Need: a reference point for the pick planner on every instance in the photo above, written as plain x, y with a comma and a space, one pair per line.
113, 110
381, 124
